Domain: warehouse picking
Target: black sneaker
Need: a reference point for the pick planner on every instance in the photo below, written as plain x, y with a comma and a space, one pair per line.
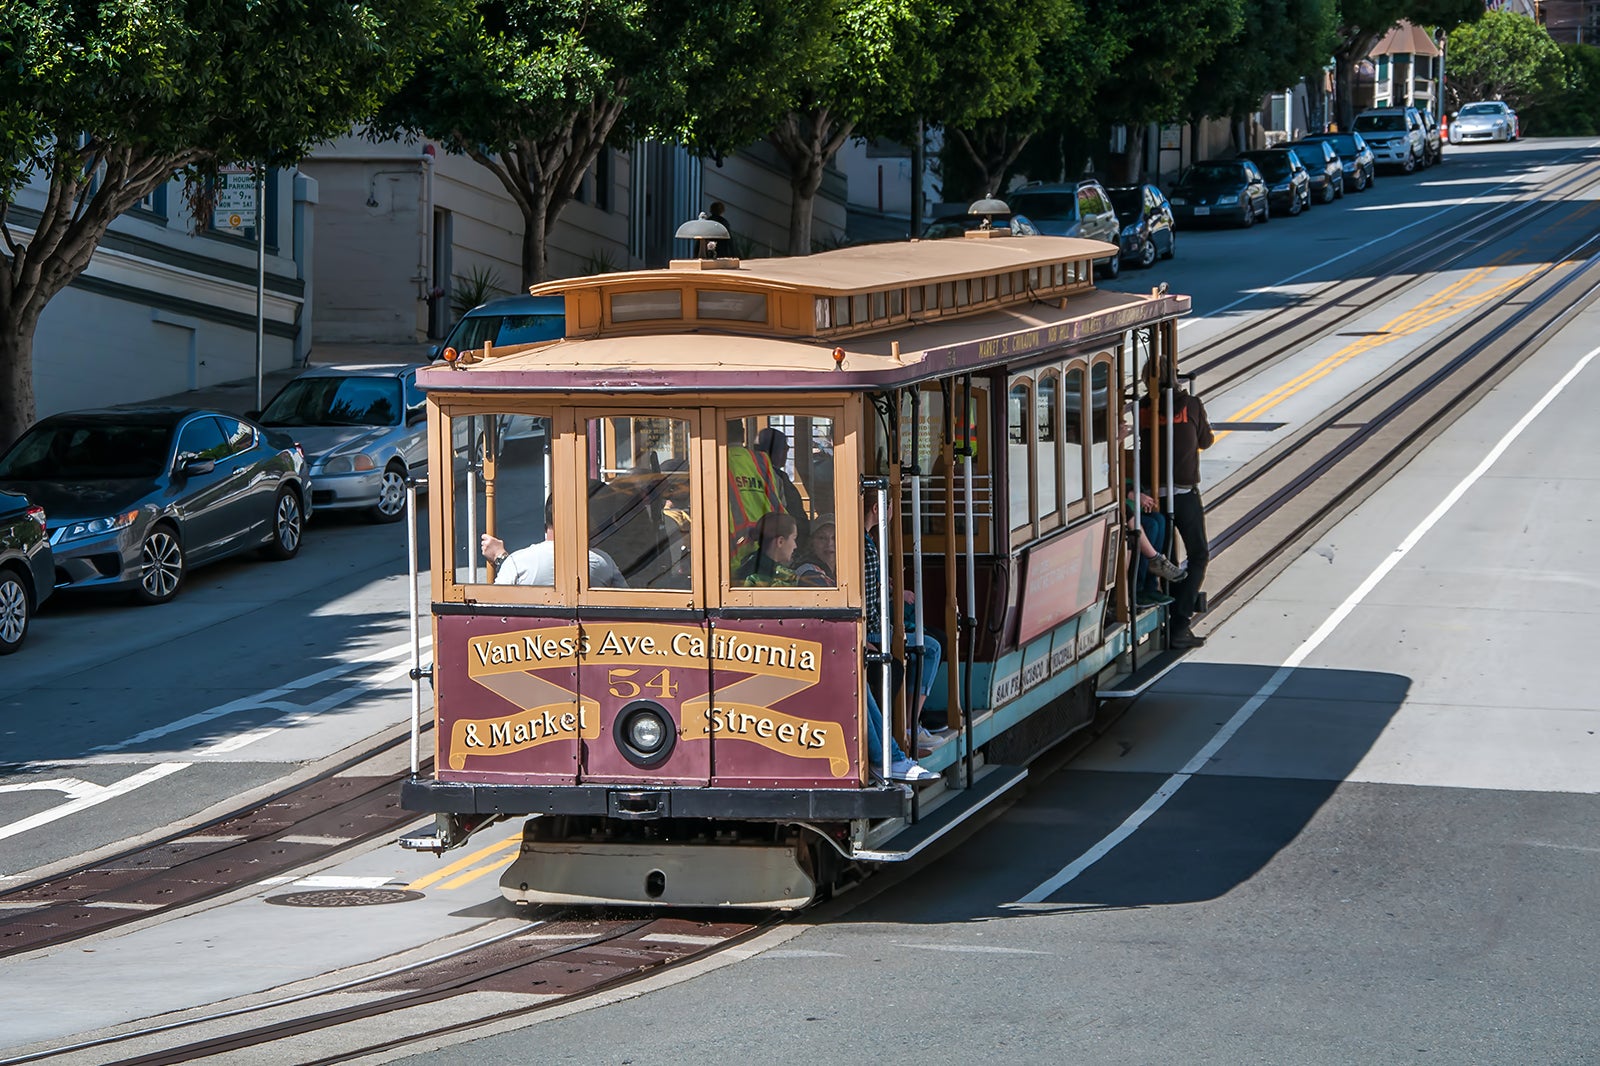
1185, 638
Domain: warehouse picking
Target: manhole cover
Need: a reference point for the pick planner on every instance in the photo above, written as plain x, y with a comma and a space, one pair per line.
345, 897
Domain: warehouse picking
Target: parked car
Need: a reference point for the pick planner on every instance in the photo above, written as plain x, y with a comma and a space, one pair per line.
1322, 167
958, 225
27, 569
1288, 184
1432, 136
1147, 223
1228, 190
364, 430
1484, 120
139, 496
1355, 158
1395, 136
507, 320
1073, 209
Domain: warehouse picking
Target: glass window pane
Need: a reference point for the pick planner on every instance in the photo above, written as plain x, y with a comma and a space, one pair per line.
1005, 284
502, 481
896, 302
1072, 436
879, 305
202, 439
841, 311
1018, 413
930, 297
823, 313
990, 287
781, 501
731, 306
916, 299
642, 306
1046, 413
1100, 421
858, 309
638, 471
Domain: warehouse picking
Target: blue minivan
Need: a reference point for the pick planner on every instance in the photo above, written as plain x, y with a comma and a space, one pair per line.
507, 320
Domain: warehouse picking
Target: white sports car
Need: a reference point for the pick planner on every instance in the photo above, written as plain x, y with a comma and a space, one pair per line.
1484, 120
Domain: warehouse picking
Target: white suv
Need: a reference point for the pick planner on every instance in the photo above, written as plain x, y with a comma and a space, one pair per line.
1396, 136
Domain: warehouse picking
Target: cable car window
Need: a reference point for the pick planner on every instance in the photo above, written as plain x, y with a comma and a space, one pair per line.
1060, 271
916, 299
731, 306
947, 295
1005, 284
1019, 412
502, 478
1101, 413
780, 501
896, 302
823, 313
640, 530
841, 311
1072, 435
858, 309
1033, 277
1046, 416
990, 284
644, 306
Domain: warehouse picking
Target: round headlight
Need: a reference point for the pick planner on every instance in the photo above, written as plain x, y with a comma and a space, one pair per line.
647, 732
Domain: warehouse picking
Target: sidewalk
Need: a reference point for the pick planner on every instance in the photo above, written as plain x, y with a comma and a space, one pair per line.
237, 397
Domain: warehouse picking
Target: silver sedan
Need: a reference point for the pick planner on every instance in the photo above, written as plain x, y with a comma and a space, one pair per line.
364, 431
1484, 120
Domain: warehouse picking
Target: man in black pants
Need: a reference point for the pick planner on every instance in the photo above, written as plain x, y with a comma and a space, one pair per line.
1191, 433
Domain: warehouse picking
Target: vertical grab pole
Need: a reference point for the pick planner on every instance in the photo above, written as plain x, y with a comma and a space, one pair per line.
1138, 507
472, 499
885, 675
916, 542
970, 620
416, 636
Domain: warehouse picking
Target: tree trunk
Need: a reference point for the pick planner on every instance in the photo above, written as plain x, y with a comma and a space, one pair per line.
72, 222
16, 374
807, 142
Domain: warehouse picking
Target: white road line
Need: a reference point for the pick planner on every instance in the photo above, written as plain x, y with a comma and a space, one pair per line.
1170, 787
265, 698
975, 949
100, 795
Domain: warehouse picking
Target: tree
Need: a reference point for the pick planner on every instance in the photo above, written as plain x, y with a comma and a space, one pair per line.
1574, 109
1236, 77
1362, 24
105, 101
1506, 57
996, 86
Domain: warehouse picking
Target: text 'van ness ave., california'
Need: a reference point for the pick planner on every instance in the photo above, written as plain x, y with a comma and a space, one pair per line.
642, 642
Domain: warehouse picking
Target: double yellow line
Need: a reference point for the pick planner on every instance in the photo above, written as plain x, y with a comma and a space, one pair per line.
1438, 307
495, 857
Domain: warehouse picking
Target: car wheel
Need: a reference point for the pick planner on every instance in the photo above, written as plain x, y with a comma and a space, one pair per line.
1338, 192
1327, 193
1113, 268
1147, 254
391, 503
161, 566
1172, 245
1294, 204
288, 524
1249, 218
1410, 164
1361, 181
15, 608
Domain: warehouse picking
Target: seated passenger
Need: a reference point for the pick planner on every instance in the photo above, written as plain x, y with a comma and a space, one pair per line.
776, 535
932, 650
819, 566
774, 444
536, 564
1148, 560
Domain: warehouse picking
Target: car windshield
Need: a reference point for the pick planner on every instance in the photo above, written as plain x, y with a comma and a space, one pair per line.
1274, 166
78, 451
1127, 203
1046, 204
1212, 174
335, 401
1343, 143
1480, 109
474, 330
1380, 123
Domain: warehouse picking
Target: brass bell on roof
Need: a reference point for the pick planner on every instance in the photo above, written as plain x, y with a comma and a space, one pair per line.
706, 235
989, 207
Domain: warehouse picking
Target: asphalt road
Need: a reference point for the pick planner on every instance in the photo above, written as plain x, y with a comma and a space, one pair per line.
1391, 860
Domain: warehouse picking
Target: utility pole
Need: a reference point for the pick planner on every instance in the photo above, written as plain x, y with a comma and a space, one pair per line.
261, 273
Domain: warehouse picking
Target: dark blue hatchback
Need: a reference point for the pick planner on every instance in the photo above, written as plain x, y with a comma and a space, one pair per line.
508, 320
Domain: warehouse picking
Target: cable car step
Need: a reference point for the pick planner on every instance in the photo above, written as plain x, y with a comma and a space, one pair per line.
961, 805
1151, 669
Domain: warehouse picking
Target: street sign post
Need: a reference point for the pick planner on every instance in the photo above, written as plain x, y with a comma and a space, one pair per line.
239, 204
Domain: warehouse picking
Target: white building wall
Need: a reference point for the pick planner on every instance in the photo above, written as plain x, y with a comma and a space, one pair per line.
161, 310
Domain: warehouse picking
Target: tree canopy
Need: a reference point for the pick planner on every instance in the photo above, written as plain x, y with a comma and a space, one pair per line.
102, 102
1504, 56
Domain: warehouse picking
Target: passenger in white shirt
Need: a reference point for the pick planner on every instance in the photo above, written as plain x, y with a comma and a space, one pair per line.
536, 564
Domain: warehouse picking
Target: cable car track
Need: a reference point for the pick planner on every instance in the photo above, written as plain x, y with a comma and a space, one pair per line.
1271, 510
553, 962
1271, 336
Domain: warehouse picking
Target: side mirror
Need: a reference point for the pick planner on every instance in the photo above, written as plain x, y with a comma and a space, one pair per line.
253, 415
433, 352
416, 416
196, 467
